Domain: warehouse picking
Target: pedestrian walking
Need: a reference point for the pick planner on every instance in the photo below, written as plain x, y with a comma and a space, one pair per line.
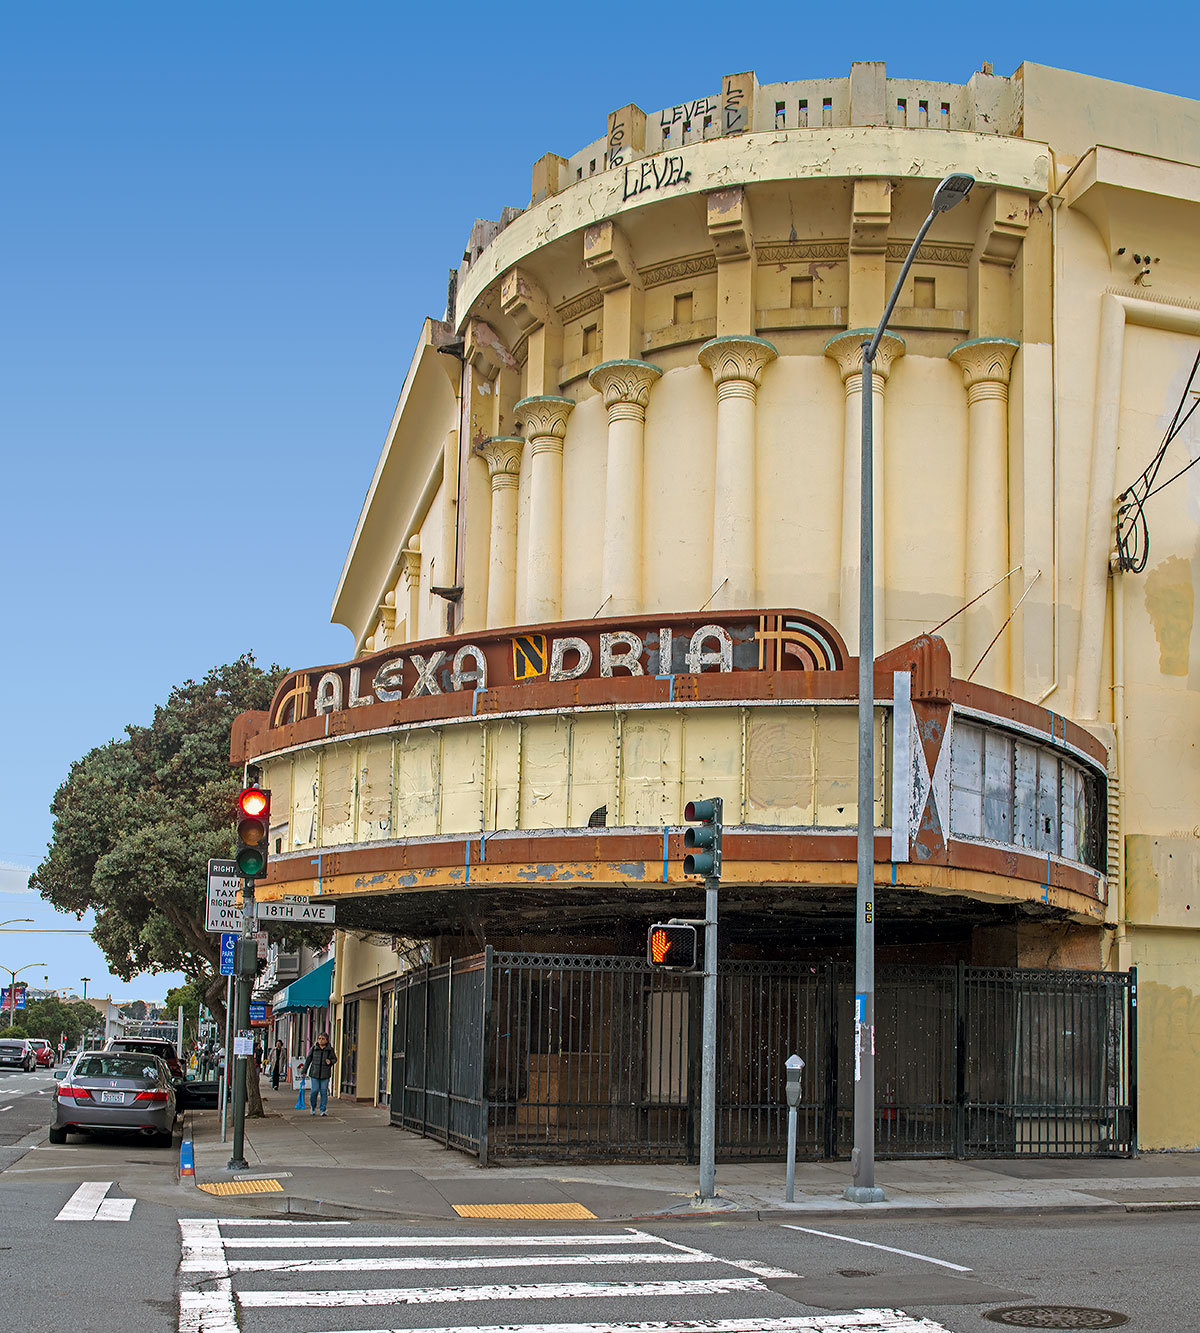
319, 1068
277, 1065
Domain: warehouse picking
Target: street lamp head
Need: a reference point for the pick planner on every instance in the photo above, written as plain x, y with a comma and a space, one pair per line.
953, 190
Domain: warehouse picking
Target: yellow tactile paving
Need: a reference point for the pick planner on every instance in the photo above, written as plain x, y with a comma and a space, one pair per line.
242, 1187
531, 1211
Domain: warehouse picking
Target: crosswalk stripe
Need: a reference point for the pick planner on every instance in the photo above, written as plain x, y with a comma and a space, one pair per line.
540, 1291
202, 1248
428, 1242
209, 1311
378, 1264
88, 1204
845, 1321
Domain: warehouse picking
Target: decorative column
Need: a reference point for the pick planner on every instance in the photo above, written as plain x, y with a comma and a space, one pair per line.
986, 365
846, 350
410, 582
737, 366
545, 422
502, 453
625, 387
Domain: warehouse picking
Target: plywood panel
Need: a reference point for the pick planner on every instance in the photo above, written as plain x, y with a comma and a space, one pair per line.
306, 777
593, 768
712, 759
836, 779
375, 789
545, 753
416, 783
501, 786
651, 762
462, 780
337, 793
277, 779
779, 766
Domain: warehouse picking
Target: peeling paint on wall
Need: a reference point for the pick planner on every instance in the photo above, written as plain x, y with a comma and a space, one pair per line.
1169, 603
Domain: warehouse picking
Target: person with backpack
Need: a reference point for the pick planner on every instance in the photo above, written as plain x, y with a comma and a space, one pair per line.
318, 1067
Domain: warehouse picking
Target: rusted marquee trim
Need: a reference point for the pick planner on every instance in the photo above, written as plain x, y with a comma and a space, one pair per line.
619, 856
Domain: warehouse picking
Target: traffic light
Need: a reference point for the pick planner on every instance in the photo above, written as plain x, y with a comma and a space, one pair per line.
253, 831
703, 840
671, 945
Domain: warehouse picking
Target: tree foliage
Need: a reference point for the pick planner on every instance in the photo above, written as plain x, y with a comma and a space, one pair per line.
137, 820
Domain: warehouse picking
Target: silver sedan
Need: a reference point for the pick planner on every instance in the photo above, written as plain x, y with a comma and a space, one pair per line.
115, 1090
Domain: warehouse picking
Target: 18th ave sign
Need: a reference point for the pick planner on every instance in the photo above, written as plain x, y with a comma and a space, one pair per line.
658, 646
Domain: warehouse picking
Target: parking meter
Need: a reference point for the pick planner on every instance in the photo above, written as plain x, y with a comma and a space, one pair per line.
793, 1067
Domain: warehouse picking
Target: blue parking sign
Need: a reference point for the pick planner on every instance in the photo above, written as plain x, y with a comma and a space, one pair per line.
228, 941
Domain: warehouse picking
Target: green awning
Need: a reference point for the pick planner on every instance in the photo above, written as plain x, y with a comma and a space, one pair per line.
311, 991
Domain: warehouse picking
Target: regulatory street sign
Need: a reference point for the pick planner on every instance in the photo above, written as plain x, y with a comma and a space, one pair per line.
228, 941
221, 912
306, 912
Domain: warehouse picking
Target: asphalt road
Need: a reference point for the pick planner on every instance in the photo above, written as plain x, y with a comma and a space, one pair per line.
98, 1235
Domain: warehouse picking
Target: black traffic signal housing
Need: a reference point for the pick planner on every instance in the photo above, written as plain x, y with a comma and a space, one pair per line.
253, 832
671, 944
703, 840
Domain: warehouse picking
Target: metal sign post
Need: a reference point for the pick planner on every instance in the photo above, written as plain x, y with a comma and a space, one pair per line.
246, 967
224, 1065
708, 1050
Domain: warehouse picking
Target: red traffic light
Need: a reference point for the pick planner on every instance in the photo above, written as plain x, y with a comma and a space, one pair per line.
253, 801
253, 831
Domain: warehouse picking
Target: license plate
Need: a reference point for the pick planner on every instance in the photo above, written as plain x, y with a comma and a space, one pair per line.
118, 1097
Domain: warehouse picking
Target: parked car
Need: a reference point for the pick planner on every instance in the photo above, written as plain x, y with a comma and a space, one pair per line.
42, 1051
16, 1053
116, 1090
165, 1050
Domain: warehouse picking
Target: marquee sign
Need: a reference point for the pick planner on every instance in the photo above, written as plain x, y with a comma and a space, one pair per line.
576, 650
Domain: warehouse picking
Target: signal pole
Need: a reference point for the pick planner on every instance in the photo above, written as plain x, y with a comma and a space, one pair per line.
704, 858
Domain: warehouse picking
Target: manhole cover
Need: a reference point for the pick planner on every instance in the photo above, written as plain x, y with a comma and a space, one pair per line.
1056, 1316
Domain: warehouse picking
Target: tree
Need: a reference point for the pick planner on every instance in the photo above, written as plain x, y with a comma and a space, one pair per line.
53, 1018
137, 821
190, 997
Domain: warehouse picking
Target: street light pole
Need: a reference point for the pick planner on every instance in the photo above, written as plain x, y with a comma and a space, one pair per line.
949, 192
12, 987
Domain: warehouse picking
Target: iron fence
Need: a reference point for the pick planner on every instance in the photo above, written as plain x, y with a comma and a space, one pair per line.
556, 1055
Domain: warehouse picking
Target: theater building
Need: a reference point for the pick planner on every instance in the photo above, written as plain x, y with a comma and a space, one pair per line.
609, 562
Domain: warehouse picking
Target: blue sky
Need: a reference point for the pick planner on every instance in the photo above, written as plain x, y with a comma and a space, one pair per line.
221, 228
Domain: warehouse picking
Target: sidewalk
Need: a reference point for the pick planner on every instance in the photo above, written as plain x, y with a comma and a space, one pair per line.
352, 1162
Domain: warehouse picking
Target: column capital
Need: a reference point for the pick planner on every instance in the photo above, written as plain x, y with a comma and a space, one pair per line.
736, 358
502, 454
847, 348
410, 561
544, 414
624, 382
985, 361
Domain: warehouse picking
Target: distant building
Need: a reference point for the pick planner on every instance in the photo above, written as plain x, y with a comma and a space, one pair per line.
609, 560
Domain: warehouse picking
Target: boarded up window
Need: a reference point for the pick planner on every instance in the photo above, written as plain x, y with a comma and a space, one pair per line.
374, 790
337, 794
651, 761
545, 754
306, 776
779, 766
593, 769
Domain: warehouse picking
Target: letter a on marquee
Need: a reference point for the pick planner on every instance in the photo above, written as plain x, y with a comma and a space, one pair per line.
529, 656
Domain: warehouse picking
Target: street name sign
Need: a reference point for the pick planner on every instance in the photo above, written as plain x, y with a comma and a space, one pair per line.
221, 912
306, 912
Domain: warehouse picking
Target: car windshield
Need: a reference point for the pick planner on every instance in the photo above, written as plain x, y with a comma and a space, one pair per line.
116, 1065
160, 1048
12, 1045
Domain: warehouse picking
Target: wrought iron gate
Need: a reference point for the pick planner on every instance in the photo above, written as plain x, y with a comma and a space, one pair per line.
555, 1055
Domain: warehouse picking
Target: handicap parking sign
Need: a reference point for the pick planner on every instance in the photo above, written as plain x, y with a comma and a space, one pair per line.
228, 941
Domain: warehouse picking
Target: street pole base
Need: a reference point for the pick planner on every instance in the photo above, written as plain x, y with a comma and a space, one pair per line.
238, 1164
863, 1194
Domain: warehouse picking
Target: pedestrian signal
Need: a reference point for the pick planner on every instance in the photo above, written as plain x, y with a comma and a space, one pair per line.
670, 945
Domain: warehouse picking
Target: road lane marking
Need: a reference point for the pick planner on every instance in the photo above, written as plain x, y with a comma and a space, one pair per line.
4, 1108
747, 1265
891, 1249
373, 1263
537, 1291
88, 1204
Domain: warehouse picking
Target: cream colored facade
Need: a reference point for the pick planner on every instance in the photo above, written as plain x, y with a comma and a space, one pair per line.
646, 402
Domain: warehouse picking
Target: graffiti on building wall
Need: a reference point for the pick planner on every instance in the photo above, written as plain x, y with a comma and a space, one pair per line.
655, 173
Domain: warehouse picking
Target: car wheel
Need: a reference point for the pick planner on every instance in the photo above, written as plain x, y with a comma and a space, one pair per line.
163, 1140
58, 1134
